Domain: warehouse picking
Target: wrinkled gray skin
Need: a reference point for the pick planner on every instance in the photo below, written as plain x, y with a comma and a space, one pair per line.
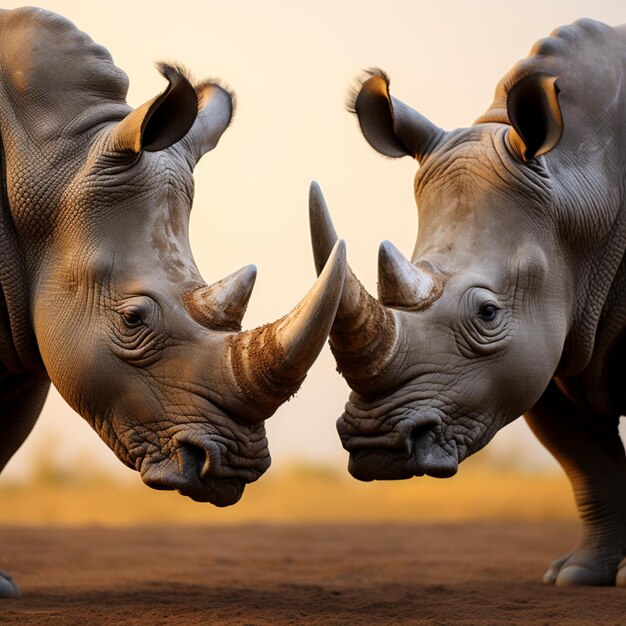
514, 301
99, 291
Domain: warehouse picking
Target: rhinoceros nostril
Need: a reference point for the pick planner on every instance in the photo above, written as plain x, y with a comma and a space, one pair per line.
194, 460
421, 436
429, 457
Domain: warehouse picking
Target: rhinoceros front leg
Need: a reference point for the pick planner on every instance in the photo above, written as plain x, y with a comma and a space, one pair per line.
590, 451
21, 401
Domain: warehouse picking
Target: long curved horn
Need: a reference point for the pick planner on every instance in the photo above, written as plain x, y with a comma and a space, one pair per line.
364, 336
268, 364
221, 306
402, 285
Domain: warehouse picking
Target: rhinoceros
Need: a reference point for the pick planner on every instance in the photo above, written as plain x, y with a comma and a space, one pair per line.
514, 300
99, 292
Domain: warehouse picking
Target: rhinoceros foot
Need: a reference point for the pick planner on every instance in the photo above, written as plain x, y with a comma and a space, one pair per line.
8, 588
553, 571
585, 567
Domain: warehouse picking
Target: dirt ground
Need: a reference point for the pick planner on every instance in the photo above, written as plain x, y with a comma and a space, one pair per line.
468, 573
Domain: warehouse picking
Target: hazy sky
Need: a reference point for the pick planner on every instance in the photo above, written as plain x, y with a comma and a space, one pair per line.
291, 64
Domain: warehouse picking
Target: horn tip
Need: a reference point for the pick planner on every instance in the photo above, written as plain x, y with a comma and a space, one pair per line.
339, 249
249, 271
244, 277
314, 187
323, 234
335, 267
387, 251
317, 203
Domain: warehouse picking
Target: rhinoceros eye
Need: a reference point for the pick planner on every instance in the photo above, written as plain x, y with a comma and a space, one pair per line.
488, 312
485, 326
132, 318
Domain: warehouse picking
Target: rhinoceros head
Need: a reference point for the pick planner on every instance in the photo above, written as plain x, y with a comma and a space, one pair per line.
467, 335
128, 331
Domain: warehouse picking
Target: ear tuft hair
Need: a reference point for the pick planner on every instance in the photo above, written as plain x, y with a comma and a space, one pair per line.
162, 121
216, 82
357, 84
391, 127
168, 68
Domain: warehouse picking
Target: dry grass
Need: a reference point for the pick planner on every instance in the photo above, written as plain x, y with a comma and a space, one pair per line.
299, 494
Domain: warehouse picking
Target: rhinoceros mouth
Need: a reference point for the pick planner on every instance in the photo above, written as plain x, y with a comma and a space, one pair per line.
166, 476
381, 464
376, 464
197, 468
218, 491
413, 447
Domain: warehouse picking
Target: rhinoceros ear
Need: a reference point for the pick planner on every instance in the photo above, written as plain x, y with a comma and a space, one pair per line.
216, 108
160, 122
390, 126
534, 112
